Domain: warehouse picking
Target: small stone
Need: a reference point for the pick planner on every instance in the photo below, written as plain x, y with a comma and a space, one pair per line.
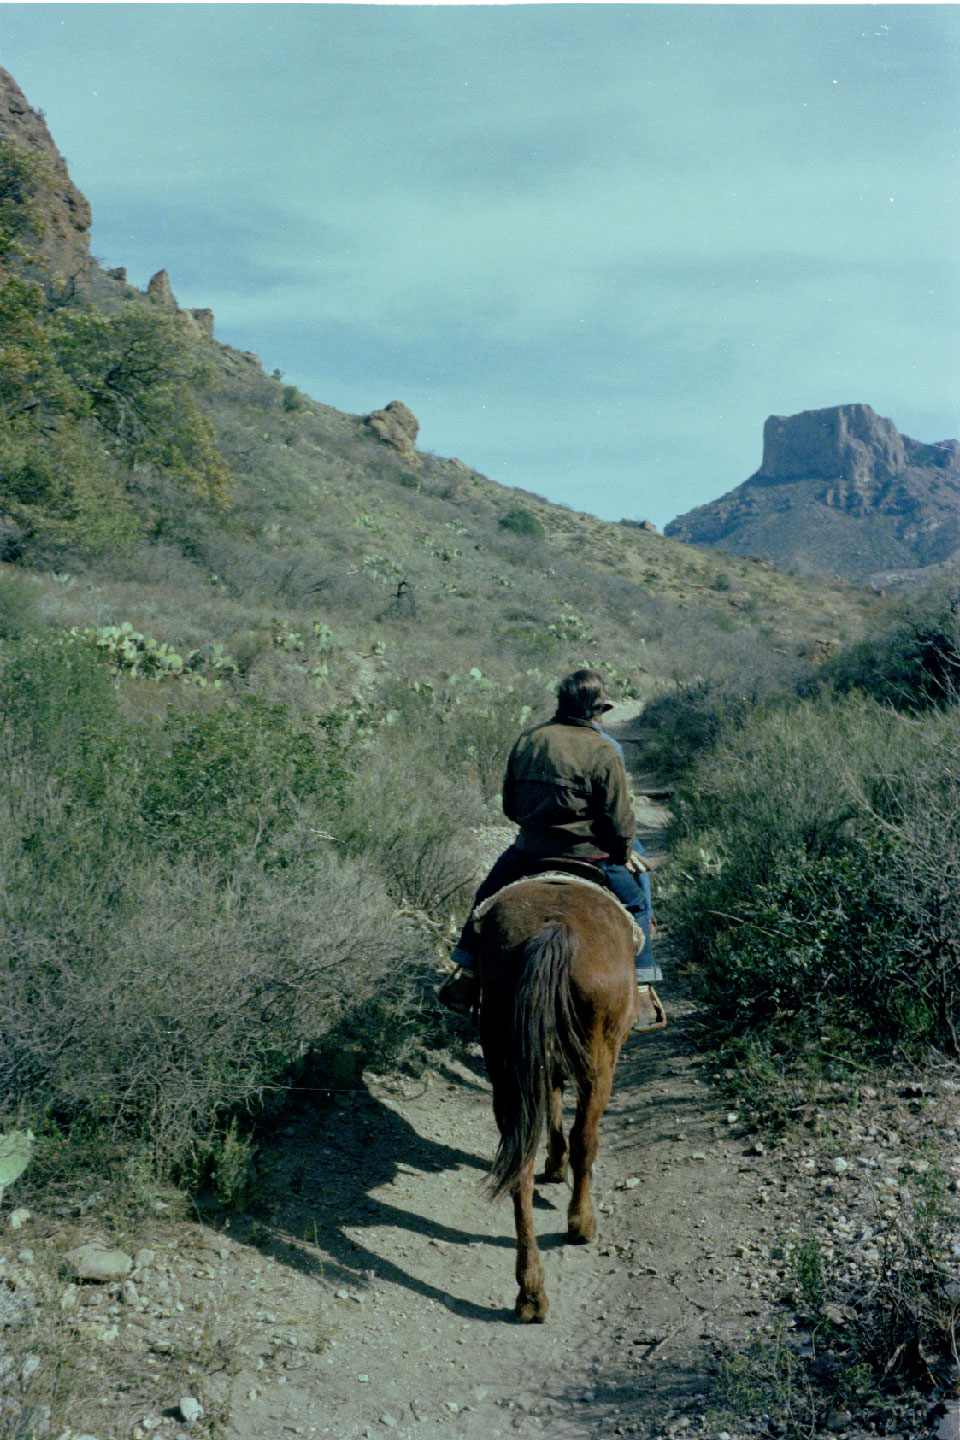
389, 1420
631, 1182
363, 1379
453, 1407
19, 1218
479, 1392
99, 1263
190, 1409
253, 1393
143, 1258
732, 1117
130, 1293
839, 1165
68, 1299
758, 1148
343, 1294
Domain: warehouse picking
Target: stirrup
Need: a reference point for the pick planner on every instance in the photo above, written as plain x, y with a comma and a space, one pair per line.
650, 1005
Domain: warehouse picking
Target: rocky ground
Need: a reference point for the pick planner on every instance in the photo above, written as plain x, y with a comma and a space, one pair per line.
367, 1290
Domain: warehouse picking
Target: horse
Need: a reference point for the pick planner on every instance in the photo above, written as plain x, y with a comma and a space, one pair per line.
558, 998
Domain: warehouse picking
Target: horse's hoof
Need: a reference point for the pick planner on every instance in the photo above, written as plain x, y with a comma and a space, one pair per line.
580, 1234
555, 1174
532, 1309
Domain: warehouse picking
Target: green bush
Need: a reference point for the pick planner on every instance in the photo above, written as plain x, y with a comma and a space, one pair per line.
912, 661
178, 926
18, 605
232, 780
522, 522
817, 874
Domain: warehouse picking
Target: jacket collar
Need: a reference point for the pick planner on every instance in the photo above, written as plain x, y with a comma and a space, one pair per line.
559, 719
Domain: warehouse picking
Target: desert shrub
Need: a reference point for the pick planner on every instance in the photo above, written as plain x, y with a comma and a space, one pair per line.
718, 682
58, 710
912, 660
18, 605
150, 1002
234, 778
817, 874
522, 522
413, 818
178, 926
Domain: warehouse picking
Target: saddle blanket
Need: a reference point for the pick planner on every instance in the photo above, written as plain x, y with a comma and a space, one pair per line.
557, 877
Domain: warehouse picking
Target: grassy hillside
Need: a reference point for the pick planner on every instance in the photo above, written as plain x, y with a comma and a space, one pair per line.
436, 569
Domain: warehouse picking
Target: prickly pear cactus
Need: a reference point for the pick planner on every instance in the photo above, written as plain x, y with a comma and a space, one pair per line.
16, 1148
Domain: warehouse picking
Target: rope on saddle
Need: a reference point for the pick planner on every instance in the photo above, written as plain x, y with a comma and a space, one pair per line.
558, 877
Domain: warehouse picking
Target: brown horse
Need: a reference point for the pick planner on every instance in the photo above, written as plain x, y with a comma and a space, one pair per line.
558, 999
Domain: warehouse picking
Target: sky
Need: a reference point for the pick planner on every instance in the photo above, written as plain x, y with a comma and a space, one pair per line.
591, 246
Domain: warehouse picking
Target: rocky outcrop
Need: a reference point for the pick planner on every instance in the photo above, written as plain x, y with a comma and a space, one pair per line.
397, 426
63, 212
848, 442
203, 319
839, 492
159, 290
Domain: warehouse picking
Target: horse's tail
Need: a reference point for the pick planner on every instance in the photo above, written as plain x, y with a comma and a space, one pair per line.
542, 1032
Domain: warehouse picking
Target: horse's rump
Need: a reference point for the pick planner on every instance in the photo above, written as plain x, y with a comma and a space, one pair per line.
550, 996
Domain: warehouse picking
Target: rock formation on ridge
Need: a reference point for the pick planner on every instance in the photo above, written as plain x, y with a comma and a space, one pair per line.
397, 426
66, 214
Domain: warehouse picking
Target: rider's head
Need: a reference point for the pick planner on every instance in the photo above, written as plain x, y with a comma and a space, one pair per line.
581, 696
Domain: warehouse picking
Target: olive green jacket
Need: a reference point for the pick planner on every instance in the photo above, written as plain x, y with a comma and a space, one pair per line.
566, 787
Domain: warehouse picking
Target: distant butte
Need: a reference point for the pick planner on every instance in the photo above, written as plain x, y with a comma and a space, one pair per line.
839, 492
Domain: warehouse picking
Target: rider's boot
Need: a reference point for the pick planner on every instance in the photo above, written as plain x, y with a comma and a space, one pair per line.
652, 1015
461, 990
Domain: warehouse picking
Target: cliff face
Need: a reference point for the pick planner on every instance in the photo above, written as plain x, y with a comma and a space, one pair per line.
839, 492
64, 212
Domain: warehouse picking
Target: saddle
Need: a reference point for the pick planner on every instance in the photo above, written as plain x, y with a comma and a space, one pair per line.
558, 868
566, 865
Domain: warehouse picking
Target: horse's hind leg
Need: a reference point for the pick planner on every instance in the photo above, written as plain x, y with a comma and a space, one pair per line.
557, 1152
532, 1301
584, 1139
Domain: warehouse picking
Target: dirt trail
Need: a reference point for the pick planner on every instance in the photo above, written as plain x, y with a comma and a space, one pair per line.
378, 1231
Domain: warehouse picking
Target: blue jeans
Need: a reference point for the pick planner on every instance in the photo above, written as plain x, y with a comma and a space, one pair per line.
633, 893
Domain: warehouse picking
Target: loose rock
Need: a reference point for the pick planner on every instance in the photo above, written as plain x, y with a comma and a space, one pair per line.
98, 1263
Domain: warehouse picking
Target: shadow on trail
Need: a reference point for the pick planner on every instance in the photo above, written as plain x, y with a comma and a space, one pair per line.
315, 1202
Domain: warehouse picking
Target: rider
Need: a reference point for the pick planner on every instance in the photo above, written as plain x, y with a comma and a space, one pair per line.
566, 788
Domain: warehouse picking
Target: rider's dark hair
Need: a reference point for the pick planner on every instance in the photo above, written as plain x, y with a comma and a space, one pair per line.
581, 695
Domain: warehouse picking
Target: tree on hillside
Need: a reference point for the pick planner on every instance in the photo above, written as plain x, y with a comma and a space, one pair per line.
138, 372
88, 400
